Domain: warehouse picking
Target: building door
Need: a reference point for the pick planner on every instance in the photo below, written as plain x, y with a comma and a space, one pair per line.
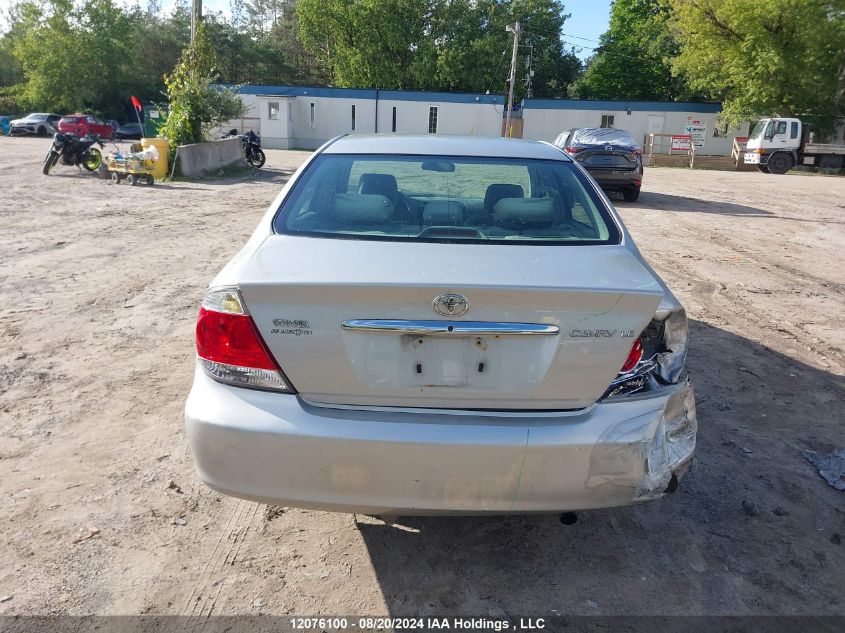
274, 121
656, 123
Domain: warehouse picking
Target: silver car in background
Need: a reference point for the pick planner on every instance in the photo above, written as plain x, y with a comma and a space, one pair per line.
38, 123
432, 325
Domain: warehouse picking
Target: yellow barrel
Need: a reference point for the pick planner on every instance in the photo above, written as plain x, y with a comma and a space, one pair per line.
163, 147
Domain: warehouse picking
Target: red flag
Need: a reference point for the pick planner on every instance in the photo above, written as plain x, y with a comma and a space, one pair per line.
136, 103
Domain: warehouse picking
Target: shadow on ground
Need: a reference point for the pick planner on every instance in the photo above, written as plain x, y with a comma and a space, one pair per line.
695, 205
752, 530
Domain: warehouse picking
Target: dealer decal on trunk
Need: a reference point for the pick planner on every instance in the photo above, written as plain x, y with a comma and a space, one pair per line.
293, 327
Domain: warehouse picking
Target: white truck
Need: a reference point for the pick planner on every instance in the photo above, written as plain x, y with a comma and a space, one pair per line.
777, 145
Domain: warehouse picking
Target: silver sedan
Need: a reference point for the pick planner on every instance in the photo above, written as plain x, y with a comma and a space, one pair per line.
431, 325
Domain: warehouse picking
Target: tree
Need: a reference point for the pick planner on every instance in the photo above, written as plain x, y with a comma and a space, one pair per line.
634, 56
68, 62
767, 57
195, 104
436, 44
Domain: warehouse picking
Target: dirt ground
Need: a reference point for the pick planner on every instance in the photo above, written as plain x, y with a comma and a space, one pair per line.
101, 512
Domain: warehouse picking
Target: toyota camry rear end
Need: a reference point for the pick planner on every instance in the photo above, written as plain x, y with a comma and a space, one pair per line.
432, 325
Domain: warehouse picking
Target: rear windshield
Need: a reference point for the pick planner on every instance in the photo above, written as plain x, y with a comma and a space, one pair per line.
603, 136
425, 198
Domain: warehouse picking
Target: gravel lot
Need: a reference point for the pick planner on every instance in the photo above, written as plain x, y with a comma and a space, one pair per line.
100, 510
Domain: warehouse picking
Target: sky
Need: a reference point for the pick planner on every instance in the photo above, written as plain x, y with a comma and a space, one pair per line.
589, 19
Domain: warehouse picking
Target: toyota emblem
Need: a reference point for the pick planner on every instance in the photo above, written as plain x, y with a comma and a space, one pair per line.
451, 305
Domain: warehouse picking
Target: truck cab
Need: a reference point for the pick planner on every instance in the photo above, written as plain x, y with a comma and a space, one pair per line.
773, 145
778, 144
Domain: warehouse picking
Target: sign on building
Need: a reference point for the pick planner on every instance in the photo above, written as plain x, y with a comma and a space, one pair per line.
680, 142
697, 129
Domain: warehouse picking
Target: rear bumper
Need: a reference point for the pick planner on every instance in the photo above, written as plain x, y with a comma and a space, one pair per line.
277, 449
617, 179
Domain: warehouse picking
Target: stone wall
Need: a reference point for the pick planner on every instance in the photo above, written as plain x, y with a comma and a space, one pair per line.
201, 158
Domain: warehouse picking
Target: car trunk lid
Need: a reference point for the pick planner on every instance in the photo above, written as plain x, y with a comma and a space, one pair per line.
607, 157
352, 322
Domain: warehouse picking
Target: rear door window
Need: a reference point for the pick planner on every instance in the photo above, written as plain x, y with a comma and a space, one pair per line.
432, 198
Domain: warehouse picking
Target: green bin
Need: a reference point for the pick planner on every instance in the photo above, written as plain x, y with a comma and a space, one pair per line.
154, 118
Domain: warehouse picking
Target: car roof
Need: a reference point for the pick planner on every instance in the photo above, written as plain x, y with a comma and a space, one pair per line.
443, 145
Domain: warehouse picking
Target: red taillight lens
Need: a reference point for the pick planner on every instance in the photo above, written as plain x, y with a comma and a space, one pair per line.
574, 150
231, 339
634, 357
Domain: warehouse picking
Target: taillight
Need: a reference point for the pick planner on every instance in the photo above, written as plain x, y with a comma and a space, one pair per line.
231, 339
229, 347
634, 357
574, 150
656, 357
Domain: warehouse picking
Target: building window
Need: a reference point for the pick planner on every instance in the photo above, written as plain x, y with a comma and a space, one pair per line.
353, 118
393, 128
432, 119
606, 120
273, 110
313, 124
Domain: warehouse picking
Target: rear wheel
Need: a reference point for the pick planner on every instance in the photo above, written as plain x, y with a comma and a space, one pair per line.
150, 180
93, 159
631, 194
763, 168
50, 162
115, 178
133, 179
779, 163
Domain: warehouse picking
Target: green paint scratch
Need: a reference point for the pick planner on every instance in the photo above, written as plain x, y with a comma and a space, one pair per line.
521, 466
593, 316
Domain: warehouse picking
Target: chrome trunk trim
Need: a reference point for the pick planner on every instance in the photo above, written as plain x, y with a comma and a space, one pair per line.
449, 328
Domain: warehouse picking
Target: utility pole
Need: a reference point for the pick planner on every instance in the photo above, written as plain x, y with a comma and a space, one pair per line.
196, 16
516, 29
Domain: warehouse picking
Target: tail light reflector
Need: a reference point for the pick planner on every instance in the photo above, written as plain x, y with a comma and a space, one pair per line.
229, 346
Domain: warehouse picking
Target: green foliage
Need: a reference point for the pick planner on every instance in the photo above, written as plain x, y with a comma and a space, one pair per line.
436, 44
634, 57
765, 57
195, 105
87, 55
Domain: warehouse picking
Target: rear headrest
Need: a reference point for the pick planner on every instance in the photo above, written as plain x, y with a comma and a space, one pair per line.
385, 184
518, 213
362, 208
497, 191
444, 213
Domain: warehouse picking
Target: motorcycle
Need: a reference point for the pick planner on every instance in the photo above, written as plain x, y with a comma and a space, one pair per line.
251, 144
72, 150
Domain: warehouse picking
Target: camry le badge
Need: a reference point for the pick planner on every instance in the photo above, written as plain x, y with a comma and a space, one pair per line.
451, 305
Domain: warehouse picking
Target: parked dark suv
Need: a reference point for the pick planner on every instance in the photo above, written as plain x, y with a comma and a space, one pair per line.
611, 156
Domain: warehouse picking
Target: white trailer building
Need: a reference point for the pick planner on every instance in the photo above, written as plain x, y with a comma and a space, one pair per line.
544, 119
304, 117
